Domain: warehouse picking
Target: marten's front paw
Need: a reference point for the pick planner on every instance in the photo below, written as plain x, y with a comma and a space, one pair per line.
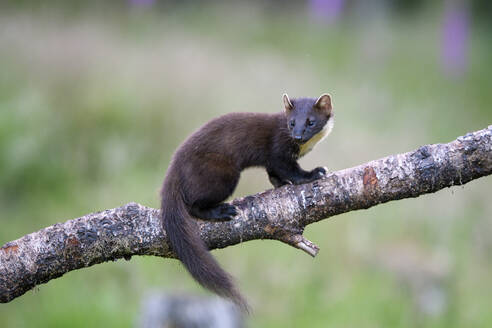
319, 172
277, 183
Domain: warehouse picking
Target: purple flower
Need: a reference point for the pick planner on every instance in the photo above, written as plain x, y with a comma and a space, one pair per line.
326, 10
142, 3
454, 49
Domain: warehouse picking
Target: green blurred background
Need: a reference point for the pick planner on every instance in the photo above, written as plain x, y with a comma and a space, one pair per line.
95, 98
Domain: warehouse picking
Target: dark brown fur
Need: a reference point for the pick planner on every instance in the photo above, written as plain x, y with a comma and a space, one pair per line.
205, 170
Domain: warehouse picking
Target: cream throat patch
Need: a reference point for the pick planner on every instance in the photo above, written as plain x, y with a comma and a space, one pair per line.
317, 138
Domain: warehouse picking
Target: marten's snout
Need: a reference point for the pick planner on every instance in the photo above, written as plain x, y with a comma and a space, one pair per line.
298, 132
298, 135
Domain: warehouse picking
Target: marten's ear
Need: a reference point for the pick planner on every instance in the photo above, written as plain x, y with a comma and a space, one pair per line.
287, 104
324, 103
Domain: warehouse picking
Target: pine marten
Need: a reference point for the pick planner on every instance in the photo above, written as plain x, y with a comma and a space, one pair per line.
205, 170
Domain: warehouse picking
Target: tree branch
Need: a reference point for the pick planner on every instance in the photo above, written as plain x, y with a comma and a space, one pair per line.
279, 214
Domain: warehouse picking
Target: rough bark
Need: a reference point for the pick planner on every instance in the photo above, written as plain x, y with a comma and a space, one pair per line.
279, 214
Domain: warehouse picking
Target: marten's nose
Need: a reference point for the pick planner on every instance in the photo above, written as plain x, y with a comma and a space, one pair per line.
299, 137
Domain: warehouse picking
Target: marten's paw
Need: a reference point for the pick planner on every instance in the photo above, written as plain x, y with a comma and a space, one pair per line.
220, 212
225, 212
319, 172
277, 183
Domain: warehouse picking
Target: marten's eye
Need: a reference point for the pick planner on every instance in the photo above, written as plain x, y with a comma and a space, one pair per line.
310, 123
292, 123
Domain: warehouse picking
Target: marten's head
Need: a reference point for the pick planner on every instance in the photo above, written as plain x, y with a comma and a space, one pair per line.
308, 117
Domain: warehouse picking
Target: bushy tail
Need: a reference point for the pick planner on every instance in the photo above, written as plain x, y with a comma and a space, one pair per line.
185, 241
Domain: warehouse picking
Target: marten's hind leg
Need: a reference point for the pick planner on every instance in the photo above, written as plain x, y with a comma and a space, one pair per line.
210, 188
